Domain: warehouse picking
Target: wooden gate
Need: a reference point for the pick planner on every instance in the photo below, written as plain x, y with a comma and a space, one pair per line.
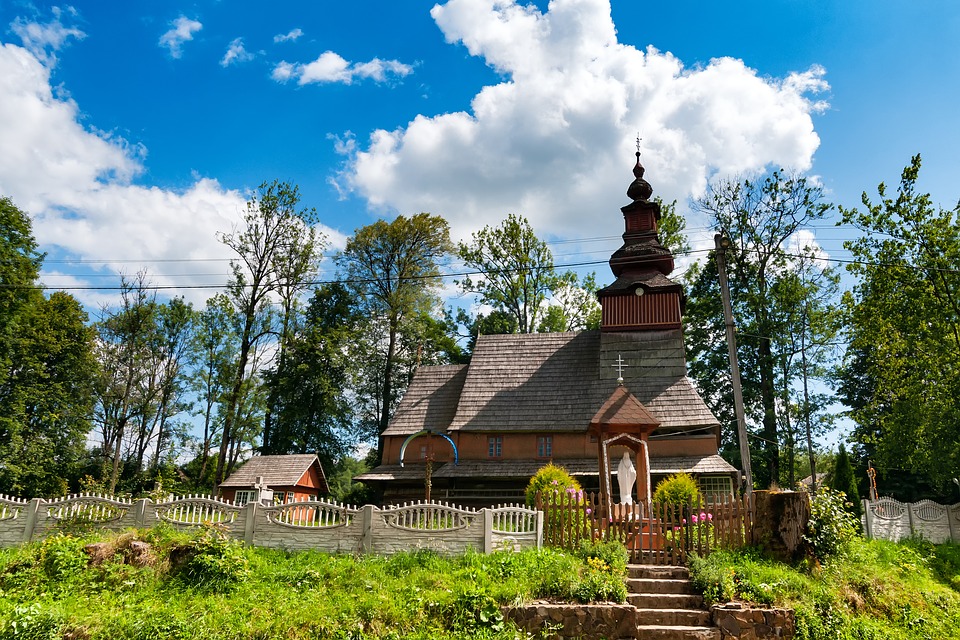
662, 534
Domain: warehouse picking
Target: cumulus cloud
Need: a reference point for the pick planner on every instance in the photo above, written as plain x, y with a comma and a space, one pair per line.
44, 40
235, 53
288, 37
332, 67
555, 139
182, 30
79, 187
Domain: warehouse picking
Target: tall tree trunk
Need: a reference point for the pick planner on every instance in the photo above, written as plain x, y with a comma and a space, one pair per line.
387, 384
768, 400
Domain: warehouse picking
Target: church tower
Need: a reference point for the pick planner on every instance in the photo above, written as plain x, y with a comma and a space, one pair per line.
642, 297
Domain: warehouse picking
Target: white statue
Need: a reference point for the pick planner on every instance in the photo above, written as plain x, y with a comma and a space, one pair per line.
626, 476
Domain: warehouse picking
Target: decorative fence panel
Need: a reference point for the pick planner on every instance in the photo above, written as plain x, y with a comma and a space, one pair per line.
659, 534
324, 526
890, 519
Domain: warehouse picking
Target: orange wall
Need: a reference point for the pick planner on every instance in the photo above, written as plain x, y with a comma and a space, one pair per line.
523, 446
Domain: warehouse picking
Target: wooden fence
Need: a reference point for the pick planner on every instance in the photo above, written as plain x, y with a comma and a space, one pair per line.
658, 534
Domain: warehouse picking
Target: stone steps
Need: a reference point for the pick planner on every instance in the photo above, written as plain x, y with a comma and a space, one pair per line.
667, 606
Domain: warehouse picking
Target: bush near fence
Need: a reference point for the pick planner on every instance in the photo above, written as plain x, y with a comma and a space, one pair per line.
320, 525
659, 534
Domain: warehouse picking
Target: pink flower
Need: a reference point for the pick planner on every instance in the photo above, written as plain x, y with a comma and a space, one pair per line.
703, 516
589, 511
693, 518
684, 521
709, 516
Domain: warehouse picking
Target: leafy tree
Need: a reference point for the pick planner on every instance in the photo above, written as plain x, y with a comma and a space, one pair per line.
516, 270
46, 370
759, 218
574, 305
671, 228
215, 347
275, 248
46, 398
394, 269
844, 480
311, 413
901, 376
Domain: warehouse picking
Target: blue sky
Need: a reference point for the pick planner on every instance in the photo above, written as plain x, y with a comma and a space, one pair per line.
133, 132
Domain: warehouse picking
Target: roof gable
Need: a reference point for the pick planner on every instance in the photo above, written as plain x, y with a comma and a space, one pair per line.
623, 410
276, 471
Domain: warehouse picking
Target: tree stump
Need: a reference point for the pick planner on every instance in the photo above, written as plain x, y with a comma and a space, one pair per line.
779, 523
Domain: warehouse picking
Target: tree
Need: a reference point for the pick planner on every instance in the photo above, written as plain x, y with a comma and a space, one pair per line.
311, 412
394, 269
843, 479
275, 249
215, 348
126, 389
574, 305
46, 398
46, 369
516, 270
759, 218
901, 376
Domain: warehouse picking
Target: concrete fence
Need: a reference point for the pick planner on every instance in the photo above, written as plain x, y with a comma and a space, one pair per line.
324, 526
889, 519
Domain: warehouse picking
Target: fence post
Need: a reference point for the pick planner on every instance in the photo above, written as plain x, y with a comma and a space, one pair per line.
488, 530
954, 534
910, 518
249, 524
30, 521
539, 529
366, 542
140, 512
867, 520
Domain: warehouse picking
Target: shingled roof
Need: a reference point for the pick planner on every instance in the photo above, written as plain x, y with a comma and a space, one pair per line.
277, 471
553, 382
431, 399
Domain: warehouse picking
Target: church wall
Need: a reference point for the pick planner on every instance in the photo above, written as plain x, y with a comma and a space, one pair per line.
688, 446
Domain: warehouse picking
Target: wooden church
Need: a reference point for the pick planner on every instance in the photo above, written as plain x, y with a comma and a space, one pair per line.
576, 399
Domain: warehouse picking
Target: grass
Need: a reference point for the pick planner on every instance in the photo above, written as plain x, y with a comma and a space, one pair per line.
872, 589
161, 583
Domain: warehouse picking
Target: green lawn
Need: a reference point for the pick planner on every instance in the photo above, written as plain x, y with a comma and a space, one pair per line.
205, 586
872, 589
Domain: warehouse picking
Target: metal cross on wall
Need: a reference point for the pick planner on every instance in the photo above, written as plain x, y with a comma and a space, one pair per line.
619, 366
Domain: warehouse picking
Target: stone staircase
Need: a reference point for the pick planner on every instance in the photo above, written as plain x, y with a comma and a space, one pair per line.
667, 606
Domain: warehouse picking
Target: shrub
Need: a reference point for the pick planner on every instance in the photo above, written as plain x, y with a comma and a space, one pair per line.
551, 479
831, 528
680, 489
612, 553
211, 561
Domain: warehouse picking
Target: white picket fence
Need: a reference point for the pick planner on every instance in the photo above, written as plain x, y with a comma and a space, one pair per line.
321, 525
890, 519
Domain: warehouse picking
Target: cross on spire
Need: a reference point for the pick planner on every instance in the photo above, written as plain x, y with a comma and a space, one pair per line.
638, 143
619, 366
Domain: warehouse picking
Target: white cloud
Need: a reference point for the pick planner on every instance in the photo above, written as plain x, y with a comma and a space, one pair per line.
555, 139
235, 53
332, 67
78, 186
288, 37
43, 40
182, 31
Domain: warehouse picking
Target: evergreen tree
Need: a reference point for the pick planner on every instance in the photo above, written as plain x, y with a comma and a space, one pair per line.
843, 479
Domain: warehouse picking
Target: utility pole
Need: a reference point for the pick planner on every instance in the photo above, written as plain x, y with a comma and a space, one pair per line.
722, 243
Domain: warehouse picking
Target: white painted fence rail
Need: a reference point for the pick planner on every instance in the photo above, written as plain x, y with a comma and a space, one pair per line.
890, 519
321, 525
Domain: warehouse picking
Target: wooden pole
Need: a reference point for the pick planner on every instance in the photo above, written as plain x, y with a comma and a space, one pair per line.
721, 249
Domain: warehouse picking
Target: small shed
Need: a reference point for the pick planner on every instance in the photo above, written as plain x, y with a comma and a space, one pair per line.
276, 479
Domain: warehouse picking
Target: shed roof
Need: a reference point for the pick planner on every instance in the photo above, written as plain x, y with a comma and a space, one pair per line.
277, 471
